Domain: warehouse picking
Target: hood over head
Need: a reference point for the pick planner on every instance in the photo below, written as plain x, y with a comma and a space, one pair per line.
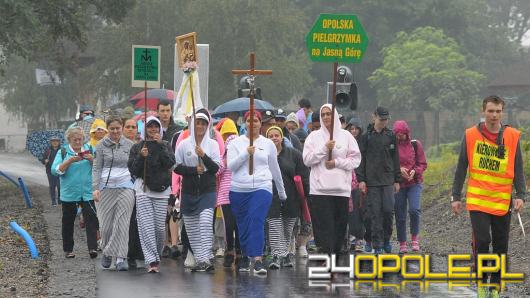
205, 115
149, 120
336, 124
401, 126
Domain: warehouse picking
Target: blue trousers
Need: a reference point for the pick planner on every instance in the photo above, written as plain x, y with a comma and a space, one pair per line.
250, 210
412, 196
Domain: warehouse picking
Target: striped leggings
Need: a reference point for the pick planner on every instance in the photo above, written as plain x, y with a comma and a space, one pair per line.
200, 234
280, 232
114, 214
151, 217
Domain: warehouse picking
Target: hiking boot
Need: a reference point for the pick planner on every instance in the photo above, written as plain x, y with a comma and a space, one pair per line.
106, 261
243, 265
403, 247
387, 247
358, 245
259, 268
93, 253
228, 260
368, 247
122, 266
287, 261
415, 245
165, 252
174, 252
302, 251
274, 263
203, 267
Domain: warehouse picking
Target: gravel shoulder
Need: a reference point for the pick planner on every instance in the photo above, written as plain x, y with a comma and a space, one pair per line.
52, 275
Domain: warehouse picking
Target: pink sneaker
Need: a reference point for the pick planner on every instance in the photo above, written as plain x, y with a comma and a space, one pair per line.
403, 248
415, 245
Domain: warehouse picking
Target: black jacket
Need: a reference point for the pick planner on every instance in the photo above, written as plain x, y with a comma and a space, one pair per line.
170, 131
291, 164
380, 158
50, 156
195, 184
160, 160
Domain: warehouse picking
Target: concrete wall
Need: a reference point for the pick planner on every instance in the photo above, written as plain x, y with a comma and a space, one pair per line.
13, 132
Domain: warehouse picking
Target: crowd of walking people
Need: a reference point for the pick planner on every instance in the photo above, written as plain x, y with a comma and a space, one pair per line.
186, 187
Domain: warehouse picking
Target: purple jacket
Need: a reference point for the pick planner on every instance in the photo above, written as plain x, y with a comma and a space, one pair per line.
407, 157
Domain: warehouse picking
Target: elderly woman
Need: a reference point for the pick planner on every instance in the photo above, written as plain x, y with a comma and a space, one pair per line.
251, 195
130, 130
152, 187
282, 216
113, 191
73, 164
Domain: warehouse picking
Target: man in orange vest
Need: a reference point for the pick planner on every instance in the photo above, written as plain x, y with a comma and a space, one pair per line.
492, 153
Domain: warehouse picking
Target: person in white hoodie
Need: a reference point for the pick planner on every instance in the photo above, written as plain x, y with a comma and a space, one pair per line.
251, 195
330, 180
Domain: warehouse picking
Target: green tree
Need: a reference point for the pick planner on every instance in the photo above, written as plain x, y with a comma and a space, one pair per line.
425, 70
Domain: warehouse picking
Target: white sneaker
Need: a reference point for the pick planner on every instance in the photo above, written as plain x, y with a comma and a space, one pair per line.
302, 251
190, 260
220, 253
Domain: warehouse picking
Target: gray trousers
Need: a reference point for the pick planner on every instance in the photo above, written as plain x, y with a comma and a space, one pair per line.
380, 208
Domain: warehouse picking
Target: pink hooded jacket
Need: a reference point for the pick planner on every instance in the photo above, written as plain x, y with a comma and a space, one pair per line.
337, 181
407, 157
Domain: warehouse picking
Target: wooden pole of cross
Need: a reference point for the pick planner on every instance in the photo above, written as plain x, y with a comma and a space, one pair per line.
333, 105
252, 72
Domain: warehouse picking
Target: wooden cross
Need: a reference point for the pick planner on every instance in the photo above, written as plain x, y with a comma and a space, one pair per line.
252, 72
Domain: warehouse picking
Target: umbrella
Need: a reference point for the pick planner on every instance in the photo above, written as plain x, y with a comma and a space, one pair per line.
38, 141
154, 96
241, 105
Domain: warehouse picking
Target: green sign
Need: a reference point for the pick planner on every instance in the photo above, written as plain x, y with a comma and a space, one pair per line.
145, 66
336, 38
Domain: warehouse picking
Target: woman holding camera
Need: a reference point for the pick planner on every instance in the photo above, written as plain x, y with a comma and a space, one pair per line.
73, 165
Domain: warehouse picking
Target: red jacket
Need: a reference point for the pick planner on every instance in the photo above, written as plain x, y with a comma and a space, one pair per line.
408, 157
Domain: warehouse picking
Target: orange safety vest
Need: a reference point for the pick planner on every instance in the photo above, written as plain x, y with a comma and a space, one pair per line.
490, 181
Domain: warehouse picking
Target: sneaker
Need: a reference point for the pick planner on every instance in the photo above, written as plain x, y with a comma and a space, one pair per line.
368, 247
153, 267
228, 261
403, 248
190, 260
274, 263
132, 263
259, 268
494, 293
220, 253
165, 252
106, 261
54, 204
311, 246
388, 247
203, 267
69, 255
243, 265
287, 261
93, 253
122, 266
358, 245
415, 245
379, 251
302, 251
482, 292
174, 252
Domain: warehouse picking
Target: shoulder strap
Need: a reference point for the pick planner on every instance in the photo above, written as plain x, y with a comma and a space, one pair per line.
63, 152
415, 146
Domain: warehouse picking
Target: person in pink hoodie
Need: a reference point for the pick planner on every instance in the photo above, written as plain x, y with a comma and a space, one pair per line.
413, 164
330, 181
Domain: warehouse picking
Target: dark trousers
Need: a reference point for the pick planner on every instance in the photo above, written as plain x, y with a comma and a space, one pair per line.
54, 188
329, 215
231, 229
380, 204
91, 224
135, 247
481, 224
356, 222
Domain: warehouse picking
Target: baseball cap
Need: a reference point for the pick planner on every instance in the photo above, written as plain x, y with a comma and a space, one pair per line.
382, 113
